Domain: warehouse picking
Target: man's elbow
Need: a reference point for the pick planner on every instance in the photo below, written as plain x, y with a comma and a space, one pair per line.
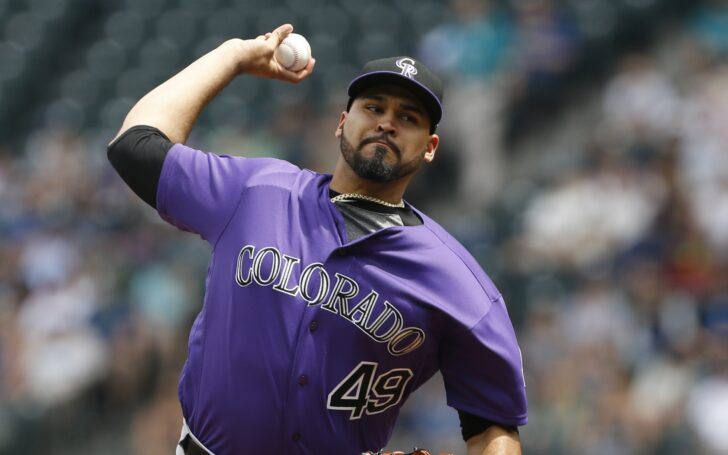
495, 440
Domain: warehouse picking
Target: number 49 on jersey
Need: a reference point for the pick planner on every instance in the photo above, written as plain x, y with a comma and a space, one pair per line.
362, 390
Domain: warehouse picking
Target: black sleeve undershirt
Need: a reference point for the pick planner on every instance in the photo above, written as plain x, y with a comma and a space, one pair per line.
138, 156
472, 425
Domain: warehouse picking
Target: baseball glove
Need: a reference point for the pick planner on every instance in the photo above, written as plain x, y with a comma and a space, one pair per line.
415, 451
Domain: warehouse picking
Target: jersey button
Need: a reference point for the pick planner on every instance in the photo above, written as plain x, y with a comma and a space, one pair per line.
296, 436
303, 379
313, 326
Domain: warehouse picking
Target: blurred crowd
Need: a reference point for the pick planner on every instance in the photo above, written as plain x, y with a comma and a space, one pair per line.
600, 210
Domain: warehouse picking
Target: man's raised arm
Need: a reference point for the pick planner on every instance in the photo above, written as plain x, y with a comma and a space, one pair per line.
173, 106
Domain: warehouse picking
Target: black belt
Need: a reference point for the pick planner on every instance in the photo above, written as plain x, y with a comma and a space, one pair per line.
191, 447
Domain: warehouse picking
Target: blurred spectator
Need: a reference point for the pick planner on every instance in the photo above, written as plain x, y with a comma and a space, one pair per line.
707, 403
590, 216
472, 44
640, 102
704, 162
157, 424
709, 24
471, 51
546, 48
547, 43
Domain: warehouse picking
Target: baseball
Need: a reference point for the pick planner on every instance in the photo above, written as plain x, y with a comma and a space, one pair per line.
294, 52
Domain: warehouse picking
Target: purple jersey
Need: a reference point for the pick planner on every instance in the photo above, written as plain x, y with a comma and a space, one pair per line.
310, 344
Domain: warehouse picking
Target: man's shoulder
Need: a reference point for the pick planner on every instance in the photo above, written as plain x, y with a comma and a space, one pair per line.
446, 240
455, 263
275, 171
259, 171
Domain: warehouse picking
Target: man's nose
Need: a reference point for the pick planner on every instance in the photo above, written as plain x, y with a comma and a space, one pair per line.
386, 125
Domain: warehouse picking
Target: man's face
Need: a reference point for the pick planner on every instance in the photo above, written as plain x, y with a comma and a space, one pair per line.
386, 134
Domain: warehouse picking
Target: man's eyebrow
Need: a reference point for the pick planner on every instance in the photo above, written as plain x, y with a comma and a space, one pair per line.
403, 105
412, 107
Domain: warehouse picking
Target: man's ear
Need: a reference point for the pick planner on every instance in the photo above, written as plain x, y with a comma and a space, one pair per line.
432, 145
340, 127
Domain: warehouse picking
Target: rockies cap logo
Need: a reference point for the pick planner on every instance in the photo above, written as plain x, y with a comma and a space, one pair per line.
408, 67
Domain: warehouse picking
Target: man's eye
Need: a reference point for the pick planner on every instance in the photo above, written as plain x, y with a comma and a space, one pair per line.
373, 108
409, 118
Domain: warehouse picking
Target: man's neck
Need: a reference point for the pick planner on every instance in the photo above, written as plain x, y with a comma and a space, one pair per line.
345, 180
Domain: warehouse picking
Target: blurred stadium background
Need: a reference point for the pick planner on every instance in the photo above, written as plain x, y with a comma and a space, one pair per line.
584, 162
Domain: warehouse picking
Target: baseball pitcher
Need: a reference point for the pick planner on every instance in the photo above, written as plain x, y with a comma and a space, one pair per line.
329, 298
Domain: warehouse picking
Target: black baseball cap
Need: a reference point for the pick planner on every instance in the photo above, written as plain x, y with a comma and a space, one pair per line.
407, 72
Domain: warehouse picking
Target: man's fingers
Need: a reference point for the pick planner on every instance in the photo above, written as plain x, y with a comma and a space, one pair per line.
308, 69
298, 76
280, 34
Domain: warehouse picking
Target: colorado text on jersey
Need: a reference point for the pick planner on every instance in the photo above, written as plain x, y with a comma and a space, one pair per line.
270, 267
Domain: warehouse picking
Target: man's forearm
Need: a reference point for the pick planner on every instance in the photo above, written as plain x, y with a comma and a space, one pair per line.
173, 106
495, 440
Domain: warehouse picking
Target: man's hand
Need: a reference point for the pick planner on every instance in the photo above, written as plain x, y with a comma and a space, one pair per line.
257, 56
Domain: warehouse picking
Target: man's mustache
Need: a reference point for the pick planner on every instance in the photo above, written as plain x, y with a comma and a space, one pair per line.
381, 138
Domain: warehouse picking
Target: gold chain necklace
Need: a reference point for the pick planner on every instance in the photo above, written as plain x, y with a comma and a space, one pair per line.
364, 197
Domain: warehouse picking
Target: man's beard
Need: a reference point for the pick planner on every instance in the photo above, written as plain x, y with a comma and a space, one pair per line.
376, 168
